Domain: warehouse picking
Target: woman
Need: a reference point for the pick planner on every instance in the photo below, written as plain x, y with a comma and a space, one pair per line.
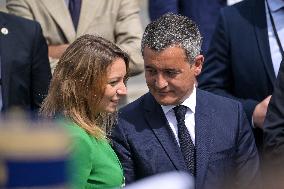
86, 87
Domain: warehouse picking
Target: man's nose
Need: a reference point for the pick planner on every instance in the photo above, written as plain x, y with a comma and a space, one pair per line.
160, 81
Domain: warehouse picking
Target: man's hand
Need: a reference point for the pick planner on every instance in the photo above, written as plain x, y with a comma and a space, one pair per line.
259, 112
56, 51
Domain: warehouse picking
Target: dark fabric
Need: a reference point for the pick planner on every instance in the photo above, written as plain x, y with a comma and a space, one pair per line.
274, 135
74, 9
25, 68
238, 64
202, 12
185, 142
226, 156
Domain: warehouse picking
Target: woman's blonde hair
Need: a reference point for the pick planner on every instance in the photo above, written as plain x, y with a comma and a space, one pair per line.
79, 82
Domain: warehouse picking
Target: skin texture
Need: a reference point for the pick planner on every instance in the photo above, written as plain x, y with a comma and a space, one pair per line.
115, 87
56, 51
169, 75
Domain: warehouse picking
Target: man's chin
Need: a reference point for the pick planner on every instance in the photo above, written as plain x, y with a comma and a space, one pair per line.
166, 101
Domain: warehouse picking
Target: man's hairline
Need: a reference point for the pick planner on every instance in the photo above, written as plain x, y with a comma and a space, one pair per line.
179, 45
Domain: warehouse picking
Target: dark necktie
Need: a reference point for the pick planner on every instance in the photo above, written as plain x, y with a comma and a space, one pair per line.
74, 9
185, 142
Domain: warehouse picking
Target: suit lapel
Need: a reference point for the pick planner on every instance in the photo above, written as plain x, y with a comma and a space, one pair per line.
5, 53
203, 116
260, 25
59, 12
87, 14
159, 124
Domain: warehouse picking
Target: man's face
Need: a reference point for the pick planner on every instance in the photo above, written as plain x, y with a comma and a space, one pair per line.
169, 76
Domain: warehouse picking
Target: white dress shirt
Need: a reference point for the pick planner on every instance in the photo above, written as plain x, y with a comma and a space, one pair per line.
231, 2
66, 2
277, 11
190, 102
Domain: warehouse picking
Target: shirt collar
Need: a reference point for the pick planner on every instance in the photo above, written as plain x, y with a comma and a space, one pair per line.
190, 102
66, 3
275, 5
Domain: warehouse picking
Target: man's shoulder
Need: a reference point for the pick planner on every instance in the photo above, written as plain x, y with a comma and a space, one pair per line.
136, 105
216, 100
238, 10
242, 5
21, 27
16, 20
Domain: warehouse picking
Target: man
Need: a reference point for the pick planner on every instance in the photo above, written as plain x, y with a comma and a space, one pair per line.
176, 127
204, 12
25, 70
243, 58
65, 20
274, 134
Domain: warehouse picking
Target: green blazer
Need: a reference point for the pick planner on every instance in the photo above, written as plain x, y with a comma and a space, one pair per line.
94, 164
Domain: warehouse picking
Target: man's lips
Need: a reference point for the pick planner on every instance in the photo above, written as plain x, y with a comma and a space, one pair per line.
163, 92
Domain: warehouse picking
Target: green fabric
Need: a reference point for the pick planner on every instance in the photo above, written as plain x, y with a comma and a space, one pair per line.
94, 164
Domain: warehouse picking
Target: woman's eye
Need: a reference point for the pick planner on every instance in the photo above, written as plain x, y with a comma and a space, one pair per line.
125, 80
113, 83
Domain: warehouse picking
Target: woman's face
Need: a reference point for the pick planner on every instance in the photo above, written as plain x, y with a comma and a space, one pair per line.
115, 87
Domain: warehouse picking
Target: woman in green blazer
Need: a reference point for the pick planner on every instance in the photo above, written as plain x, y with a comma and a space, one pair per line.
85, 89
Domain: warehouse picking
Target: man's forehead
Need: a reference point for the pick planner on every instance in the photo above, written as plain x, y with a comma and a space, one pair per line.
169, 51
169, 58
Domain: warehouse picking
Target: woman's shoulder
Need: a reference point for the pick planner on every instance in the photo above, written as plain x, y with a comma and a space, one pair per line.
78, 134
75, 131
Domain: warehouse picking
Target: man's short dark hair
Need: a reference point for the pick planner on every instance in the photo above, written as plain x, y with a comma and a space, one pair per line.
173, 30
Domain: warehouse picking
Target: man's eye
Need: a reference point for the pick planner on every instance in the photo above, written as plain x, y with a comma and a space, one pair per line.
150, 71
171, 73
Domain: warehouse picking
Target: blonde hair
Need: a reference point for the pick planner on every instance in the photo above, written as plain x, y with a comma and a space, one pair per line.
79, 81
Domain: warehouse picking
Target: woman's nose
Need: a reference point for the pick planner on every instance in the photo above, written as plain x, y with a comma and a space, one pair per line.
122, 90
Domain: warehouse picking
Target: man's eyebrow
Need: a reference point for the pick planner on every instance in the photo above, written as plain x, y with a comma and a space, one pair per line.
171, 69
148, 66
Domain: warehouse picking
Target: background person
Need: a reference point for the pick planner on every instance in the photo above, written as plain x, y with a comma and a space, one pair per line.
25, 70
65, 20
274, 135
244, 57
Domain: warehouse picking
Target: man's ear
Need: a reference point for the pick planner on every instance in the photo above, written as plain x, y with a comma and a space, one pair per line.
198, 63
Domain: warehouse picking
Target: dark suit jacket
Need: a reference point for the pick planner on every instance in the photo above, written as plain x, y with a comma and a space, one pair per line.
238, 64
225, 147
203, 12
25, 69
274, 135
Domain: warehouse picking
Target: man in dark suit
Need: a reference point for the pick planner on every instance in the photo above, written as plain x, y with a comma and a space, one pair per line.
25, 70
274, 135
176, 127
238, 64
203, 12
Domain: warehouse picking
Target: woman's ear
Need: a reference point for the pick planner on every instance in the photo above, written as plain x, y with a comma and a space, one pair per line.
198, 63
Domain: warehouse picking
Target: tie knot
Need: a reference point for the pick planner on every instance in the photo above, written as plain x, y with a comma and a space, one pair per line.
180, 112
